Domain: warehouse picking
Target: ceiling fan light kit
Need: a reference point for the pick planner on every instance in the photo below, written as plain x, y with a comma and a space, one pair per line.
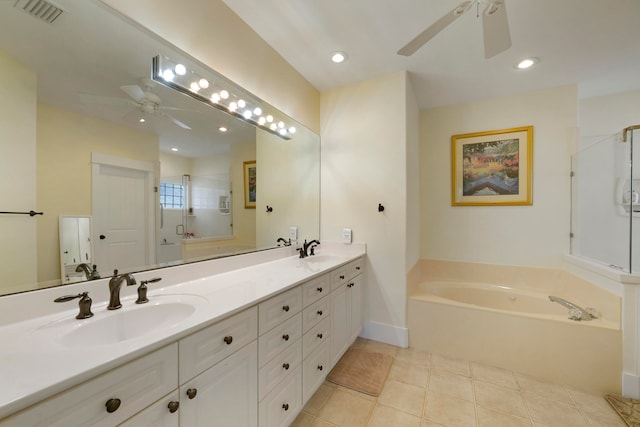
495, 26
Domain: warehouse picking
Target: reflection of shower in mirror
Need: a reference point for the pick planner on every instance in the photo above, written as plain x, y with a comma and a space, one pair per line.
75, 247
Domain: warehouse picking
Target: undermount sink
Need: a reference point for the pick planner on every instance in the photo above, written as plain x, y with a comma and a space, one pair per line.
132, 321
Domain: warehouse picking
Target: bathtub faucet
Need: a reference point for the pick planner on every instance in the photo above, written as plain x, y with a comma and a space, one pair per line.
575, 312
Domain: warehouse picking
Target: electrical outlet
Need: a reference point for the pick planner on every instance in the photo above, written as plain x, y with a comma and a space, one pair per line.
346, 235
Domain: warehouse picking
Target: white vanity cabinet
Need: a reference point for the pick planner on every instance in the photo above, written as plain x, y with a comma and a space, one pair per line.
346, 307
110, 398
218, 373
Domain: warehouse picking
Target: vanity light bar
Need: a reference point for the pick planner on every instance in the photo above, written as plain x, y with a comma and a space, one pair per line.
219, 94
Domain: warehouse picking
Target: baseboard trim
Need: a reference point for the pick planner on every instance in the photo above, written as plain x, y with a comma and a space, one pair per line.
388, 334
630, 386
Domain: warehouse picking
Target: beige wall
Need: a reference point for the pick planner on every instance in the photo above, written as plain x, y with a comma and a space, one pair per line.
536, 235
65, 141
17, 174
212, 33
364, 162
244, 220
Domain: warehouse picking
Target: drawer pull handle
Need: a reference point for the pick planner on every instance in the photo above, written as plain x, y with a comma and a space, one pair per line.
285, 337
320, 335
285, 406
192, 392
285, 307
228, 339
113, 405
358, 268
342, 277
350, 285
320, 367
173, 406
285, 366
319, 289
319, 312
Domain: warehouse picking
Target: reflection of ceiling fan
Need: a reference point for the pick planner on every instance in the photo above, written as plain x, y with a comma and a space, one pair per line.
494, 24
148, 102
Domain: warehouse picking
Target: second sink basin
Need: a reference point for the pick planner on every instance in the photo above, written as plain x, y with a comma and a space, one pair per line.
132, 321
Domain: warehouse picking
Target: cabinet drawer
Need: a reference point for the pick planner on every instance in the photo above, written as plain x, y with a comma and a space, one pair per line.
315, 313
136, 384
278, 368
281, 406
314, 370
278, 309
279, 338
356, 267
317, 335
205, 348
339, 277
158, 414
315, 289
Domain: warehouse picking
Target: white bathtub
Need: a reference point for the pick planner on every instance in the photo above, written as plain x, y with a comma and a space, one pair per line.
516, 329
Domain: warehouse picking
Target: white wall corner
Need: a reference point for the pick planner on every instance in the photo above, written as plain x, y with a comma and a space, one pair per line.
388, 334
630, 386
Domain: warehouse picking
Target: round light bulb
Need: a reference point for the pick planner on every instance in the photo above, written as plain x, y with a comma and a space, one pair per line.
262, 121
241, 103
194, 87
203, 83
224, 94
233, 106
282, 132
247, 114
281, 125
180, 69
269, 118
292, 130
273, 126
215, 98
257, 111
168, 75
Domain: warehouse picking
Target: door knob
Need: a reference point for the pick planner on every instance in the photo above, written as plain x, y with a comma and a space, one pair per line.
102, 237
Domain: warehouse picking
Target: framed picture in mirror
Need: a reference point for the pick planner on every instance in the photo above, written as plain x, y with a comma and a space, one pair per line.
250, 184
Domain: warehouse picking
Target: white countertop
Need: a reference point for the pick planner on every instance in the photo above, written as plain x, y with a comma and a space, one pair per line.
35, 364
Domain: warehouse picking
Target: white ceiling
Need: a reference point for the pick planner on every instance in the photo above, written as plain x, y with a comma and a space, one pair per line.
593, 43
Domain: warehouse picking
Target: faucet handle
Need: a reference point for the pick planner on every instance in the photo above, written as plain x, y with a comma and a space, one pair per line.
84, 304
142, 290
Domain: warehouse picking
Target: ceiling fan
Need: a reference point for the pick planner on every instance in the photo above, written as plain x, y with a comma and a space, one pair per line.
148, 103
494, 24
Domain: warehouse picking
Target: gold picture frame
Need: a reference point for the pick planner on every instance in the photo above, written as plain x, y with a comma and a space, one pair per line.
250, 182
492, 167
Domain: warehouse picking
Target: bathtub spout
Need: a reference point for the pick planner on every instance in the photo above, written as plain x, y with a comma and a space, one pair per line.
575, 312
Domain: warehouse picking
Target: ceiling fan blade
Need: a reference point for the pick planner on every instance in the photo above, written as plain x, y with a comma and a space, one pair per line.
176, 121
495, 27
422, 38
134, 92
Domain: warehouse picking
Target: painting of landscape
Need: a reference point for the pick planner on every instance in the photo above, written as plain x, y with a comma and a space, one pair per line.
491, 168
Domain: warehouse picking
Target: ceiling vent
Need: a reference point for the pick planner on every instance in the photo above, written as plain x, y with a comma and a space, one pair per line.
40, 9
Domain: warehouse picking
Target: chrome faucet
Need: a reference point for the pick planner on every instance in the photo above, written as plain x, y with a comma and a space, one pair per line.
91, 274
307, 248
114, 288
575, 312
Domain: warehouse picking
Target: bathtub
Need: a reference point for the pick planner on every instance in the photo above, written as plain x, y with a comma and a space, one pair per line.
517, 329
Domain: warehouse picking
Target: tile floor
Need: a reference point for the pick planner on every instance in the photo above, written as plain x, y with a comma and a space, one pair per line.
427, 390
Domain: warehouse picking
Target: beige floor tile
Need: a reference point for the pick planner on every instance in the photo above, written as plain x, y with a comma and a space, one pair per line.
548, 390
409, 373
411, 355
492, 396
319, 398
589, 401
553, 413
451, 384
405, 397
493, 375
317, 422
489, 418
384, 416
604, 419
375, 346
456, 366
427, 423
302, 420
357, 393
346, 409
449, 411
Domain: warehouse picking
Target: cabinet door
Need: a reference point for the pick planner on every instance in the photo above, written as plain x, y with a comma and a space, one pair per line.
340, 325
163, 413
355, 300
225, 394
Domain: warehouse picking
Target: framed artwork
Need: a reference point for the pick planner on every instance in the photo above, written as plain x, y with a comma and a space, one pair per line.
250, 184
492, 167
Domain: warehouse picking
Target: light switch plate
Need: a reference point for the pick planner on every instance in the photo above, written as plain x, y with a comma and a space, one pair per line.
293, 233
346, 235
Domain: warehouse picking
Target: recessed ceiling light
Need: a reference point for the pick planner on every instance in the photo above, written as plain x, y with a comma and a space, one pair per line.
174, 149
142, 120
338, 57
222, 129
527, 63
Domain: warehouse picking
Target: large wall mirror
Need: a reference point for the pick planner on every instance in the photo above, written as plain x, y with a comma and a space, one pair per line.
85, 132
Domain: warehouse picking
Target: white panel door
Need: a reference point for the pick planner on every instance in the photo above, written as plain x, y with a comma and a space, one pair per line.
120, 219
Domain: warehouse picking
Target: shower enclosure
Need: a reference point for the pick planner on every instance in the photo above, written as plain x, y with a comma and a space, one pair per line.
605, 200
